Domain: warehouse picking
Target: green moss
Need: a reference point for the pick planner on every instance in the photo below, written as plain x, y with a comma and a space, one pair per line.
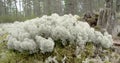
67, 51
89, 49
83, 56
91, 62
3, 37
12, 18
12, 56
77, 60
87, 52
107, 62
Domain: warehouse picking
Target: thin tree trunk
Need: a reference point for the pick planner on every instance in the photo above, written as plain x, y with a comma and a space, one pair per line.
71, 7
47, 7
5, 8
37, 8
16, 9
20, 6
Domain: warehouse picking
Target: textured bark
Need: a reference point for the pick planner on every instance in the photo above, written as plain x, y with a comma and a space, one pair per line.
107, 18
118, 5
103, 18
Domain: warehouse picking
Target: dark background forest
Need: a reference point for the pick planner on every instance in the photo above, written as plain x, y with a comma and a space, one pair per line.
20, 10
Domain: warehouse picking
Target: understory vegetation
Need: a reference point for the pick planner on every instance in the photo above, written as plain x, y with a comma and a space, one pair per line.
55, 39
11, 19
59, 31
91, 54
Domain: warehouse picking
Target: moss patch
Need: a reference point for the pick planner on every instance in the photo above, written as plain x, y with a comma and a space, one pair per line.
12, 56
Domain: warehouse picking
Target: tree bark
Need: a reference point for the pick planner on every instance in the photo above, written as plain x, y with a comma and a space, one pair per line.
107, 18
118, 5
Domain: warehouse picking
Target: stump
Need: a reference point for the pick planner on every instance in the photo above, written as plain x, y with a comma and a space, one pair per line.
91, 18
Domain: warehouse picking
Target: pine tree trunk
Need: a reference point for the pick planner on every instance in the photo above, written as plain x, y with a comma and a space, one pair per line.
107, 18
118, 5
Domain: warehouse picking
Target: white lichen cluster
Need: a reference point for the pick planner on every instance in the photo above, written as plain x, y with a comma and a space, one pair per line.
51, 60
41, 33
45, 45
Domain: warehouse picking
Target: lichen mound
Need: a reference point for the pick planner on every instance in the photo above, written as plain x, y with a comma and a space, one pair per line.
23, 36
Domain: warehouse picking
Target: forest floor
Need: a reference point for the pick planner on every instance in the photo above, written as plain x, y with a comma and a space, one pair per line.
117, 44
117, 41
11, 56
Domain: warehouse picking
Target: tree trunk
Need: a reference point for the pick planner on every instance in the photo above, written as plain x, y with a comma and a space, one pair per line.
1, 8
118, 5
47, 7
88, 5
52, 6
57, 7
27, 8
37, 8
107, 18
16, 9
71, 7
5, 8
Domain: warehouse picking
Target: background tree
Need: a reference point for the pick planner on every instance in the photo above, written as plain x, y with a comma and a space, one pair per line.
71, 6
118, 5
11, 10
27, 6
37, 7
47, 7
57, 6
